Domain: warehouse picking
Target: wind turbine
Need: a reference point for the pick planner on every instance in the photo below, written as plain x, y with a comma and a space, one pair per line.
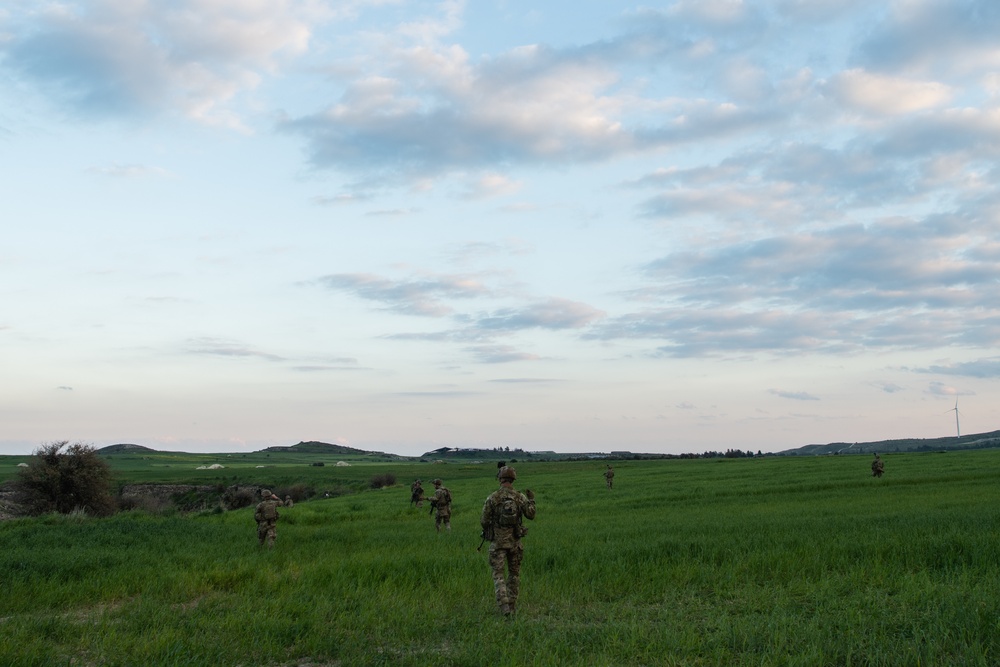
958, 431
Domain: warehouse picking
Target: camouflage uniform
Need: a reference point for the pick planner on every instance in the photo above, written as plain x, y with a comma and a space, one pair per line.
609, 475
878, 466
417, 493
267, 529
505, 540
441, 501
289, 502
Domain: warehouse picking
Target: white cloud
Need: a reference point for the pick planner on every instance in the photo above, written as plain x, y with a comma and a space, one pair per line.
887, 95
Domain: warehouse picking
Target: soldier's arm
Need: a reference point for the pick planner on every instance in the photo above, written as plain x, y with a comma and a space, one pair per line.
528, 509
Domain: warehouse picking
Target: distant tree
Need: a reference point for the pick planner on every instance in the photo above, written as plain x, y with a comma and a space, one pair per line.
62, 478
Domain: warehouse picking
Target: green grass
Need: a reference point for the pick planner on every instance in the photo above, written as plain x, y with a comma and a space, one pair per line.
775, 561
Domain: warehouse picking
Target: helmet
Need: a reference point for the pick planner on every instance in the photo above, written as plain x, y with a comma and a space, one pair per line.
436, 482
507, 473
265, 492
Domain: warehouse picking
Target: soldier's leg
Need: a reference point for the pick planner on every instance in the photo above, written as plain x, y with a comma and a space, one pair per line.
514, 558
261, 533
498, 562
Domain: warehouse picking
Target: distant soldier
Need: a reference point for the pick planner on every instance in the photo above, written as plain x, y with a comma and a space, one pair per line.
289, 502
609, 476
502, 523
441, 501
417, 494
878, 466
266, 516
500, 466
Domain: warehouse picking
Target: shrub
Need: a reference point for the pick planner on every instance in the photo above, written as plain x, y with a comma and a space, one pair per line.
298, 492
64, 478
384, 479
237, 497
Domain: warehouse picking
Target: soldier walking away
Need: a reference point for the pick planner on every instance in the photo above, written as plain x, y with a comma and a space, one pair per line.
609, 475
503, 525
878, 466
266, 516
417, 494
441, 501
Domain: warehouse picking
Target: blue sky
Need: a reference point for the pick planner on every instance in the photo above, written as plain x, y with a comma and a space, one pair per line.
571, 226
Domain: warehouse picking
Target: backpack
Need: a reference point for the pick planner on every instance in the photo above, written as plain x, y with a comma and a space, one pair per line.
508, 512
270, 511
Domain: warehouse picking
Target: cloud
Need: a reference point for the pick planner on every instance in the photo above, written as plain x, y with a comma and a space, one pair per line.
427, 109
499, 354
916, 284
988, 367
553, 313
942, 389
411, 297
104, 58
490, 185
880, 94
794, 395
888, 387
226, 348
934, 36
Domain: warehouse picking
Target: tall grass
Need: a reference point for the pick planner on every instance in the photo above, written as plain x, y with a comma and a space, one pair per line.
786, 561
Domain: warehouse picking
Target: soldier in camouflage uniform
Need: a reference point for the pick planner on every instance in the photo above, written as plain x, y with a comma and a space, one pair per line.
266, 516
878, 466
502, 522
441, 501
417, 494
609, 476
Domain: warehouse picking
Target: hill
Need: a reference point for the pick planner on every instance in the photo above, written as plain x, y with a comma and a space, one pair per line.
123, 448
974, 441
315, 447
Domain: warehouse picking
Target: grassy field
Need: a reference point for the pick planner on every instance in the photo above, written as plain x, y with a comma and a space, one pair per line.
772, 561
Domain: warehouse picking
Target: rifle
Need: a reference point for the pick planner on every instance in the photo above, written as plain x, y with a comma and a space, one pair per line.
485, 536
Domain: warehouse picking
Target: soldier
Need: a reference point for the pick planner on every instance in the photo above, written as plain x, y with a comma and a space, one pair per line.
266, 516
417, 494
502, 522
289, 502
609, 475
441, 501
878, 466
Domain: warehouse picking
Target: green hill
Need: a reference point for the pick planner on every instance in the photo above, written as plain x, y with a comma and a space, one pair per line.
315, 447
974, 441
123, 449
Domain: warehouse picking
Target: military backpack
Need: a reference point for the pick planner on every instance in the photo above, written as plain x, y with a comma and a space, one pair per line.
509, 513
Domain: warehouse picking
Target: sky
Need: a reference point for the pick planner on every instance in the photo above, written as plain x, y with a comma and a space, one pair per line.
583, 226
